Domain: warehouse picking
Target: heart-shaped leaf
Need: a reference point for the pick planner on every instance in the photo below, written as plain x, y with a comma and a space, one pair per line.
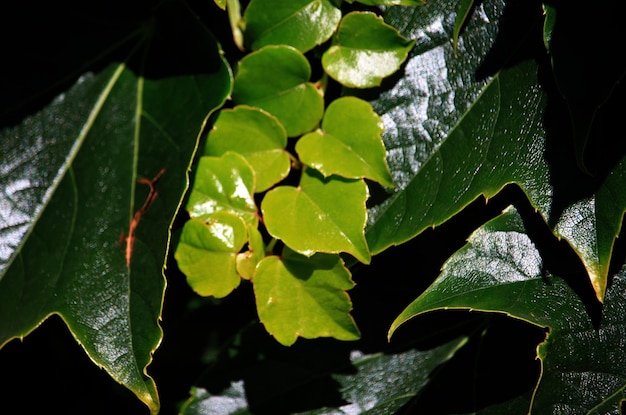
501, 270
256, 135
276, 79
71, 182
207, 253
365, 50
349, 144
321, 215
224, 183
305, 297
302, 24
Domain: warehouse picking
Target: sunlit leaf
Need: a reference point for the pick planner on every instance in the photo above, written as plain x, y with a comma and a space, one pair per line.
224, 183
301, 296
207, 251
276, 79
320, 215
257, 136
302, 24
349, 143
249, 259
365, 50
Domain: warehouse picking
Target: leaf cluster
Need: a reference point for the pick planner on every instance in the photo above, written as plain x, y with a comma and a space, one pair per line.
280, 190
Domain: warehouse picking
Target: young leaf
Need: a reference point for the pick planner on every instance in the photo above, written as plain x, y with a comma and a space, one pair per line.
207, 253
365, 50
224, 183
321, 215
275, 78
248, 260
349, 144
501, 270
305, 297
256, 135
302, 24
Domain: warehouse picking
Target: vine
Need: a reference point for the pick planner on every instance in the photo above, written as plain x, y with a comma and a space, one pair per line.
280, 191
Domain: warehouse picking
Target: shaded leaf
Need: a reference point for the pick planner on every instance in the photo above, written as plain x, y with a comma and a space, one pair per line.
207, 251
501, 270
349, 144
77, 191
320, 215
257, 136
304, 297
389, 2
302, 24
276, 79
372, 383
224, 183
365, 50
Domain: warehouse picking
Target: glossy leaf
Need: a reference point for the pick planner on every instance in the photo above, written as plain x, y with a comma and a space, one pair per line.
320, 215
365, 50
207, 253
302, 24
276, 79
224, 183
257, 136
304, 297
500, 139
349, 143
70, 186
501, 270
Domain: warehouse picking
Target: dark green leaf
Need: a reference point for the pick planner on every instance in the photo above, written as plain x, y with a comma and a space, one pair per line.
500, 139
501, 270
70, 187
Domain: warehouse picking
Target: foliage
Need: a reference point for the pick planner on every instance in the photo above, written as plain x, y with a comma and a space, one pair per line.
414, 198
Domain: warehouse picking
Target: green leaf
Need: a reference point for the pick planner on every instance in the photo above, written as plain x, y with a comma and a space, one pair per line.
275, 78
501, 138
224, 183
221, 4
321, 215
305, 297
302, 24
70, 182
349, 144
365, 50
207, 253
465, 6
257, 136
501, 270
